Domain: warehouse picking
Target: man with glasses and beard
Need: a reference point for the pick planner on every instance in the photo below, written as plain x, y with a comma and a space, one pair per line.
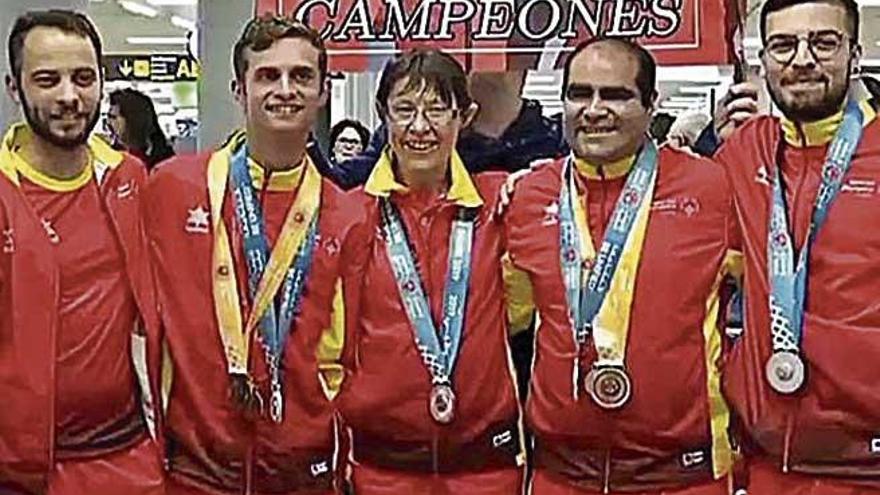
73, 286
802, 378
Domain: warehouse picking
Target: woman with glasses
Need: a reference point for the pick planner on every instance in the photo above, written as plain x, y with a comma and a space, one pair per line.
429, 397
348, 138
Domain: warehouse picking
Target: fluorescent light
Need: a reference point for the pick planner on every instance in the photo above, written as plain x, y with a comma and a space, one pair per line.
695, 90
183, 23
685, 99
172, 2
138, 8
156, 40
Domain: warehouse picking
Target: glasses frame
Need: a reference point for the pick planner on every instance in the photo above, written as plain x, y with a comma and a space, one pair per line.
809, 38
453, 113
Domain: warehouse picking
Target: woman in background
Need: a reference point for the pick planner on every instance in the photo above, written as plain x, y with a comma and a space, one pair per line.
134, 126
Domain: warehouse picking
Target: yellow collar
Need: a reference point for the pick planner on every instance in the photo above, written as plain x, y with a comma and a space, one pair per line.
103, 156
612, 170
462, 192
822, 131
282, 180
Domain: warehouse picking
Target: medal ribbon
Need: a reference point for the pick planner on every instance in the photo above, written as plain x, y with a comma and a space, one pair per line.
602, 305
438, 355
788, 282
284, 269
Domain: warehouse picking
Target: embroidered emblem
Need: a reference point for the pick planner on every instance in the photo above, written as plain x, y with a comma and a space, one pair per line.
551, 214
762, 177
198, 220
8, 241
54, 238
861, 187
125, 190
319, 468
690, 206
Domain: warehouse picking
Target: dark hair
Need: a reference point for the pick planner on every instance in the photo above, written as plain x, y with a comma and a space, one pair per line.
852, 12
142, 131
437, 70
646, 77
65, 20
262, 32
344, 124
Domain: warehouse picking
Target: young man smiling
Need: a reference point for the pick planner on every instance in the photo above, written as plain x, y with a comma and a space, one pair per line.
802, 379
74, 285
236, 237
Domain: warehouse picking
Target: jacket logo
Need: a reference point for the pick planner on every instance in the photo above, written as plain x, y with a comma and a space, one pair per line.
125, 190
319, 468
551, 214
54, 238
502, 438
198, 221
331, 245
861, 187
875, 445
690, 206
8, 241
763, 177
693, 459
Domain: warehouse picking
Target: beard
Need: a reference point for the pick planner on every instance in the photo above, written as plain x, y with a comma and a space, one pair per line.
811, 110
39, 124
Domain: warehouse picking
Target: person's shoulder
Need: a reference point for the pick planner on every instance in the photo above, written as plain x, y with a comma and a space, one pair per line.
753, 132
181, 172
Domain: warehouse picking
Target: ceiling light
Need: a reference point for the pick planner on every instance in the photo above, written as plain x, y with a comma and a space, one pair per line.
156, 40
138, 8
172, 2
183, 23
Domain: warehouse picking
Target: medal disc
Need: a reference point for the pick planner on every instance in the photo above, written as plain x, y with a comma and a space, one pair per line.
785, 372
442, 404
609, 386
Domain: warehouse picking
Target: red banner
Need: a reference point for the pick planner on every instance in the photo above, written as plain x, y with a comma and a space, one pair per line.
511, 34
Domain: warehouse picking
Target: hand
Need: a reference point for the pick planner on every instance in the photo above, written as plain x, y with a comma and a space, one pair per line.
506, 193
738, 105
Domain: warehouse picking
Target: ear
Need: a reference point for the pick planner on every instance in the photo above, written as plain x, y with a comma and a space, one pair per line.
12, 88
856, 59
325, 91
238, 92
467, 116
652, 105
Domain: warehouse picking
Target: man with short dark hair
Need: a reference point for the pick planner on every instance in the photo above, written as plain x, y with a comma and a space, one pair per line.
802, 378
626, 247
236, 235
75, 292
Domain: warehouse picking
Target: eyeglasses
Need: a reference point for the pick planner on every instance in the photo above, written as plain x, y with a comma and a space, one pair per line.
823, 45
404, 114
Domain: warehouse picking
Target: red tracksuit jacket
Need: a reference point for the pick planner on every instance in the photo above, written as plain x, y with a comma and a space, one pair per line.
833, 426
674, 429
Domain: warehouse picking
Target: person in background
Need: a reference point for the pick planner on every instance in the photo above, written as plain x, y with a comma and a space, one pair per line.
76, 298
134, 127
348, 138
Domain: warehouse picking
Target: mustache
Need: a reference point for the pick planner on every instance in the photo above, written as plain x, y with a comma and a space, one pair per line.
803, 77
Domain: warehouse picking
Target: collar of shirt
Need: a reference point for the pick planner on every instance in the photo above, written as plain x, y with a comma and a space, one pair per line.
462, 190
613, 170
821, 132
12, 163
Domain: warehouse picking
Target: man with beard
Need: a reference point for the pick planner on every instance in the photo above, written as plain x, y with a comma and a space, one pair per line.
73, 282
237, 235
802, 378
626, 247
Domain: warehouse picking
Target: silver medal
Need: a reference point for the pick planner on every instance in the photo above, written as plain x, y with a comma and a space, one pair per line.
785, 372
609, 386
442, 404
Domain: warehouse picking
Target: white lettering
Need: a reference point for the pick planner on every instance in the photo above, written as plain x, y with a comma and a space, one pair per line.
449, 16
401, 27
552, 23
302, 14
358, 19
496, 15
628, 17
591, 19
671, 14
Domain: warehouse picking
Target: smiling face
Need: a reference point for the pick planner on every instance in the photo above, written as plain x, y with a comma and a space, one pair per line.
808, 58
282, 90
605, 119
422, 128
60, 86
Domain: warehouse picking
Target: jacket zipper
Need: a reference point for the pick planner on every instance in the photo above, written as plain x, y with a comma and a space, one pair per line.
606, 473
